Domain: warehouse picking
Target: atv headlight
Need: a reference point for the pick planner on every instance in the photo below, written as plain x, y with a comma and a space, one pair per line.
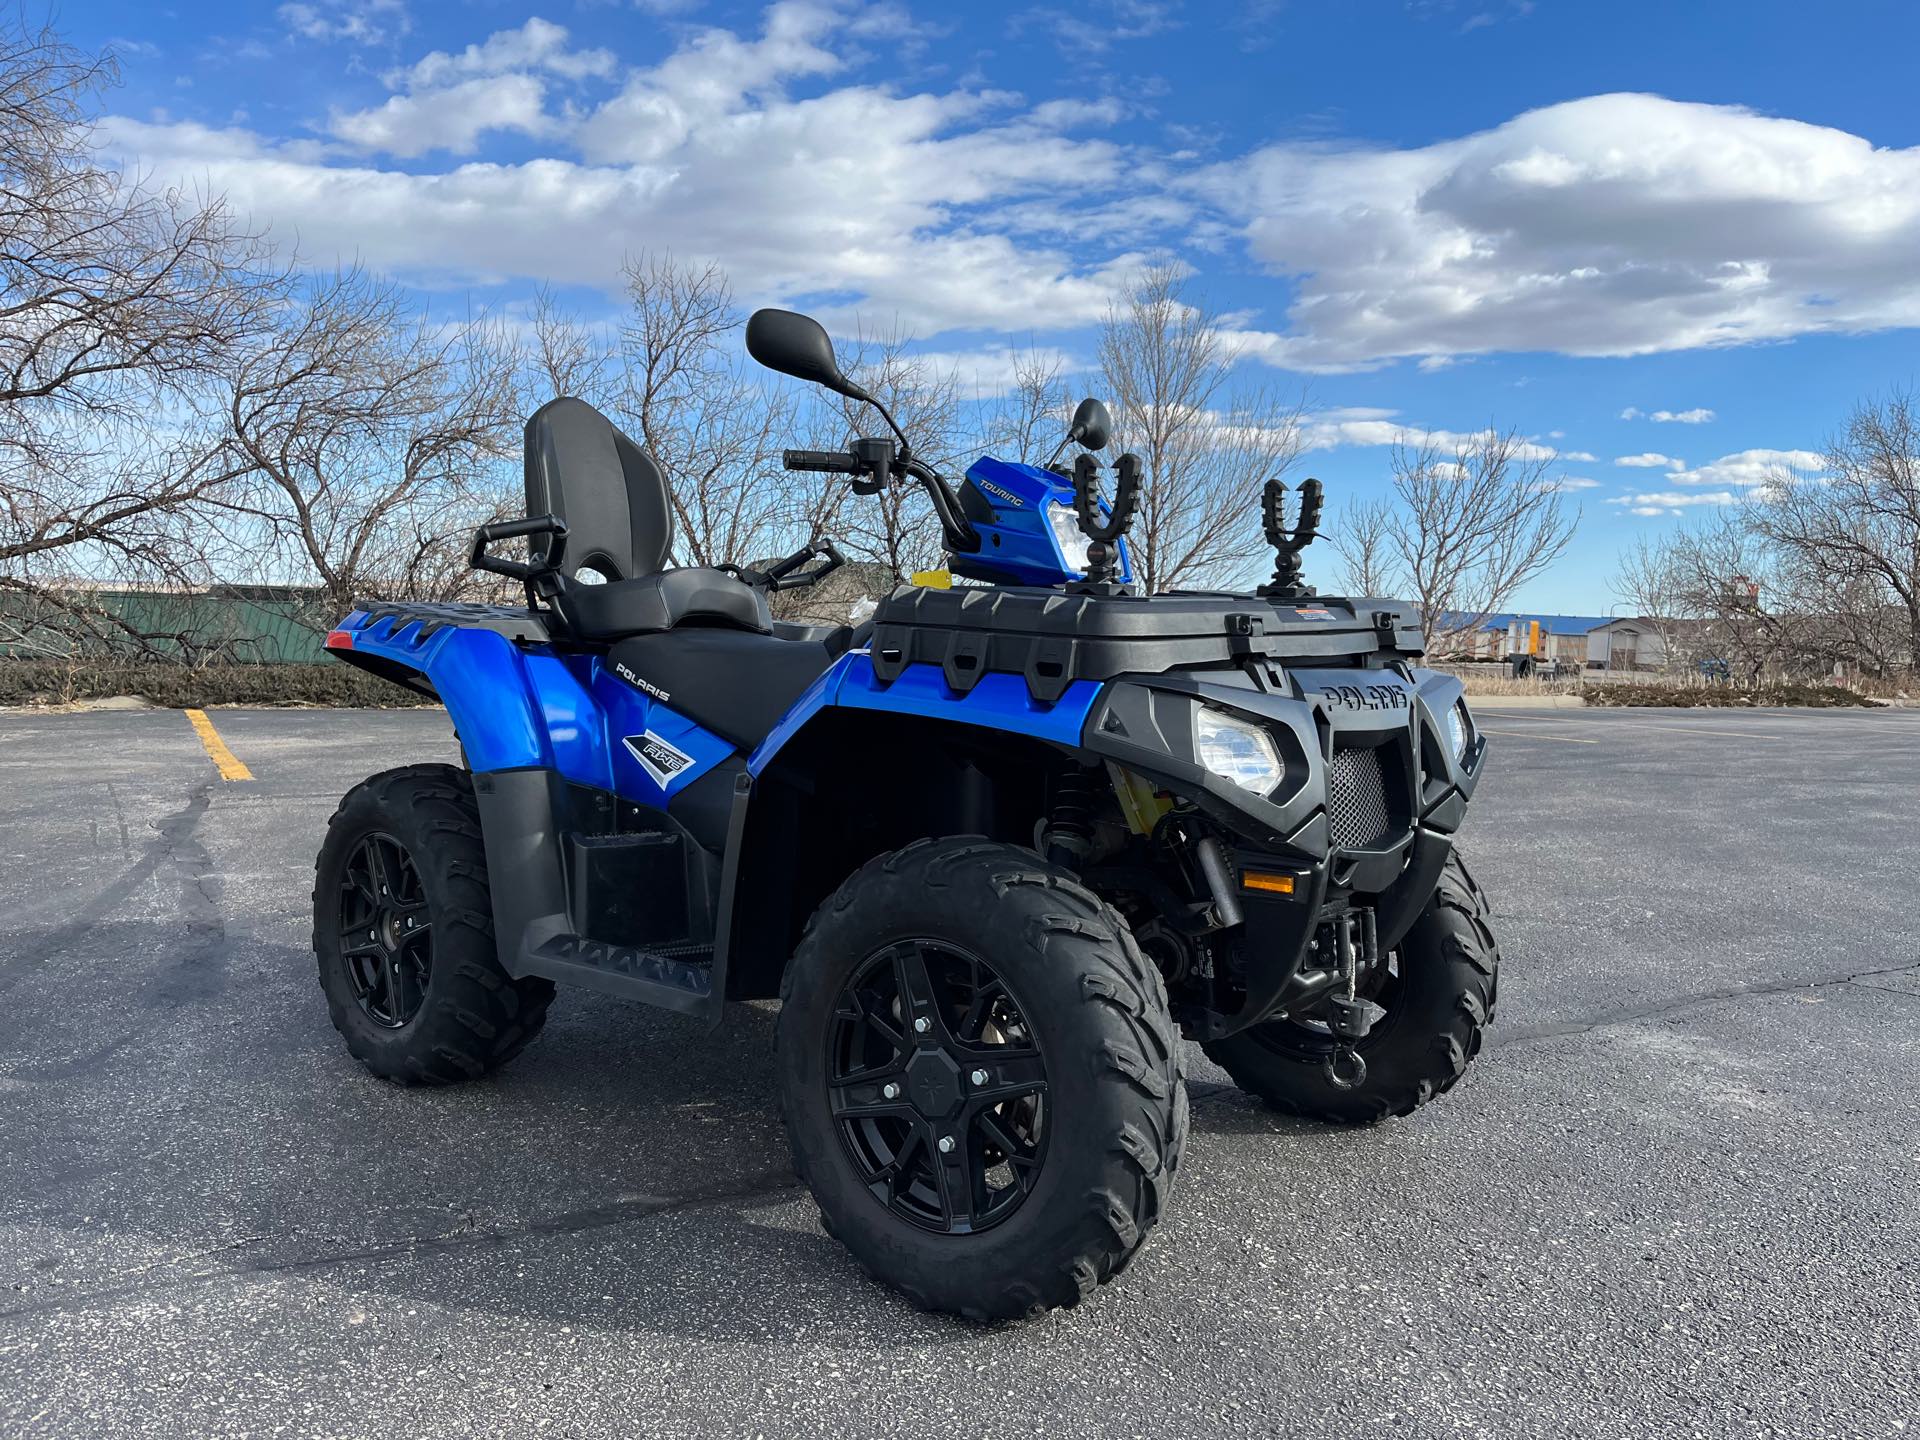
1236, 750
1065, 521
1459, 729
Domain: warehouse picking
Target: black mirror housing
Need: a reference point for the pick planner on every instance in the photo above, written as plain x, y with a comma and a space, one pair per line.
1092, 425
796, 345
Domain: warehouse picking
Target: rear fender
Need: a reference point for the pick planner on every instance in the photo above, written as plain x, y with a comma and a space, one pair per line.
521, 707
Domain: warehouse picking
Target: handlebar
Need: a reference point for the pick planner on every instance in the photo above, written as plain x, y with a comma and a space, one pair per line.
879, 468
823, 462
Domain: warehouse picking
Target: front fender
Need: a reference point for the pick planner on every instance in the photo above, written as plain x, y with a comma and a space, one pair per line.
996, 702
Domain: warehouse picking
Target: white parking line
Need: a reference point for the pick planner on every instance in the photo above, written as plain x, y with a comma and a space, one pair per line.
1535, 734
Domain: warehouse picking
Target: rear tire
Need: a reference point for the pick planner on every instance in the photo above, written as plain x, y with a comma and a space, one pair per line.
415, 986
1447, 986
1098, 1151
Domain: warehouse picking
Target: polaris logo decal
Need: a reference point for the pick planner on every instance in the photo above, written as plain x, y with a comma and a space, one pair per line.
620, 669
660, 760
1000, 494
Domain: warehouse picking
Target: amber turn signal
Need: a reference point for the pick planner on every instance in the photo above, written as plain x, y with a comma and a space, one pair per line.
1272, 884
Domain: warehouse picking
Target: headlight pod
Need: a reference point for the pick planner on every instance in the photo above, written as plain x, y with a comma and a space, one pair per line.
1459, 730
1237, 750
1066, 529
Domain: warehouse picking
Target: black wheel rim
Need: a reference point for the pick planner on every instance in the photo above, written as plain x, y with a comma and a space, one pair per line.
1311, 1041
944, 1033
386, 936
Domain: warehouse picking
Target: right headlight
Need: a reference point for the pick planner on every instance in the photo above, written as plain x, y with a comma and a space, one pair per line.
1237, 750
1459, 729
1065, 521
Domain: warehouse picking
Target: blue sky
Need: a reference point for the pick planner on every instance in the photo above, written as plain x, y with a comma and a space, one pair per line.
1569, 219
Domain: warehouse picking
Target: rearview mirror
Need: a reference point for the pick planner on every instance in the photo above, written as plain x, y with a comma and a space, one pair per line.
796, 345
1092, 425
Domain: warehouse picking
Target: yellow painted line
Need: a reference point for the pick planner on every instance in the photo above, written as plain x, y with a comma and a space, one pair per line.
1534, 734
228, 763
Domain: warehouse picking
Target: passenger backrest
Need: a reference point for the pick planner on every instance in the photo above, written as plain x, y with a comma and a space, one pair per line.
609, 491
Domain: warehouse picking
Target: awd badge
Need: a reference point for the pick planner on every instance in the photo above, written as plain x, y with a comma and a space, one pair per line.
661, 760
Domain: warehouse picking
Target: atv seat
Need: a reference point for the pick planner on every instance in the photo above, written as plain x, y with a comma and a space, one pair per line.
735, 684
615, 503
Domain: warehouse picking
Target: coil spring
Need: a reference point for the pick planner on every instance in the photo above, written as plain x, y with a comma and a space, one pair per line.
1070, 825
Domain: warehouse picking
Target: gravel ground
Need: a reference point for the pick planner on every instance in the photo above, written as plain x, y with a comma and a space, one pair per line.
1675, 1197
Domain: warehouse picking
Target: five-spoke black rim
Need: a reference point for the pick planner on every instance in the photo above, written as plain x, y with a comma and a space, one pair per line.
386, 937
938, 1087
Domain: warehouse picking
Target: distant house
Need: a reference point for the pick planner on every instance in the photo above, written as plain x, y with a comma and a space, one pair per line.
1594, 642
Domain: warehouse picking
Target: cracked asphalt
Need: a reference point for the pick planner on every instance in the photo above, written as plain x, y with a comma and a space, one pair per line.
1676, 1195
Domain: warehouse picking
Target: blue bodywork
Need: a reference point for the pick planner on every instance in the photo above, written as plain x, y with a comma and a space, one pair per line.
1018, 545
524, 706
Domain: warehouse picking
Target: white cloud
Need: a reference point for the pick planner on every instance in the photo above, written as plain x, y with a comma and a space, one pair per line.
451, 100
1575, 482
1612, 225
1366, 426
1682, 417
452, 119
358, 22
1632, 412
537, 45
857, 201
1581, 456
1748, 468
1670, 501
1650, 461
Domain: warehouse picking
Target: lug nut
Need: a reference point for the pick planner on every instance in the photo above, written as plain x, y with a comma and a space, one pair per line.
891, 1091
946, 1144
922, 1025
979, 1077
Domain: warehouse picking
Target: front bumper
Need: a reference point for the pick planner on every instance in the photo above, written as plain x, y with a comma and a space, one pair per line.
1363, 816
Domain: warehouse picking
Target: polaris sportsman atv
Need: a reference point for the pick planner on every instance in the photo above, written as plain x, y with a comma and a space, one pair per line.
995, 849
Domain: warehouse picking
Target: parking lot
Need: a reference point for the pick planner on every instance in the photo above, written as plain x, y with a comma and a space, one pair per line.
1675, 1197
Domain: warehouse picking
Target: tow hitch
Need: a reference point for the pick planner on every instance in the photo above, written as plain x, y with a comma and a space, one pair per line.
1356, 942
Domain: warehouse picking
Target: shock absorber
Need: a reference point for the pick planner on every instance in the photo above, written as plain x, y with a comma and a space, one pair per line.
1068, 837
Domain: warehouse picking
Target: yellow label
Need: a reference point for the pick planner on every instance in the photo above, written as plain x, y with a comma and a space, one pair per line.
933, 579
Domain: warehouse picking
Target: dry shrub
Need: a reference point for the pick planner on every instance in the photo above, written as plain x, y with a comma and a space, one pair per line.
62, 682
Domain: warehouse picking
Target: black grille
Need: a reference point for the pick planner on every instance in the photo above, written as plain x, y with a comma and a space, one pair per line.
1357, 799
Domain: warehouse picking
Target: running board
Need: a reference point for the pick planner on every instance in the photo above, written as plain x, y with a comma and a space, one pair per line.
663, 980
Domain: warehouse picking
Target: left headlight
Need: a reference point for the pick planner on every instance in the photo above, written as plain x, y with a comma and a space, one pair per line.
1066, 529
1237, 750
1459, 729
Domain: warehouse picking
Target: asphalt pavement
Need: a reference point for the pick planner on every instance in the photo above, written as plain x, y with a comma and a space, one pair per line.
1676, 1196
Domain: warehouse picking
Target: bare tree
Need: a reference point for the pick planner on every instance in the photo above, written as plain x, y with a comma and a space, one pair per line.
896, 529
1652, 582
117, 302
1207, 447
1851, 537
1026, 420
1364, 544
1465, 527
715, 425
368, 435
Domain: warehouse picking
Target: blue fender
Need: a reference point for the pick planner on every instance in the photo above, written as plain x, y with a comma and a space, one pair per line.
517, 706
996, 702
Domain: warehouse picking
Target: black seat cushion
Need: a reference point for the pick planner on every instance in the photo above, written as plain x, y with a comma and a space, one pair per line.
693, 596
733, 683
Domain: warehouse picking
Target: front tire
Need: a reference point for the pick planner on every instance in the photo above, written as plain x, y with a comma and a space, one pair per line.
1446, 980
403, 933
1023, 1036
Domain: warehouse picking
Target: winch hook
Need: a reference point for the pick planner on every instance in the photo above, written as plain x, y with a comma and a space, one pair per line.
1345, 1068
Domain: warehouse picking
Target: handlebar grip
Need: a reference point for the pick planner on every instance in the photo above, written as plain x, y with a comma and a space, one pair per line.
825, 462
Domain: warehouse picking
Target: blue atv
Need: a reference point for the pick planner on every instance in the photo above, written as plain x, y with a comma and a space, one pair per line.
995, 849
